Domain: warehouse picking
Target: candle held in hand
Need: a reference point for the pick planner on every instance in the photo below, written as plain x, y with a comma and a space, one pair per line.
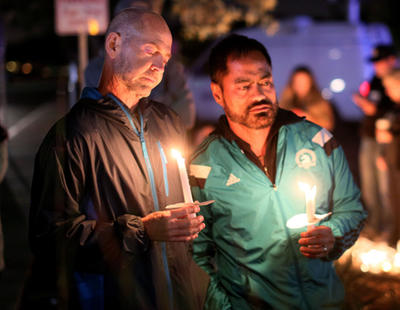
187, 194
310, 200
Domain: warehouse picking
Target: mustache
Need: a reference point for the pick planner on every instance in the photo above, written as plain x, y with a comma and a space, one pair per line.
261, 102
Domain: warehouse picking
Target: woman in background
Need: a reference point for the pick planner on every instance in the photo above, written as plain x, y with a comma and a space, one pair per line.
302, 96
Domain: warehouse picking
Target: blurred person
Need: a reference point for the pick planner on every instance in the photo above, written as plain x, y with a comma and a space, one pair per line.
103, 175
388, 136
374, 103
302, 96
173, 90
3, 169
199, 133
251, 166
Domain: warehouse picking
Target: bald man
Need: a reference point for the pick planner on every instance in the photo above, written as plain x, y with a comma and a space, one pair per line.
98, 227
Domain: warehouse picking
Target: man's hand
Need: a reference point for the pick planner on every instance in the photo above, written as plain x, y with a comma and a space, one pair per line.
175, 224
316, 242
367, 106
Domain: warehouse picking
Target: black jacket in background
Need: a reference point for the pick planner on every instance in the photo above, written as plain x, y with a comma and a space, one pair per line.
383, 104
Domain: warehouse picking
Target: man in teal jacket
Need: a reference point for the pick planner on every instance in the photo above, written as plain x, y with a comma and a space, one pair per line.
251, 166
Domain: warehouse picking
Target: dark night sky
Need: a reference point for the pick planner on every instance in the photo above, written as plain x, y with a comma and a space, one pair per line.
29, 26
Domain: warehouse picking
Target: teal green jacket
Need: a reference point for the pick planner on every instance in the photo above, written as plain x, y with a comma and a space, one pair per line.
252, 257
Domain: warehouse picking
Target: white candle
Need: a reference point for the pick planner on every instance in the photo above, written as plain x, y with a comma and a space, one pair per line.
187, 194
310, 200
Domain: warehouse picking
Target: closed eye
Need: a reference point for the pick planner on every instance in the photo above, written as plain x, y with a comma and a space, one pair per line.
150, 49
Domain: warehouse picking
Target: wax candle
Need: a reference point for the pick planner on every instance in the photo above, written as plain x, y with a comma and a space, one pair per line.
187, 194
310, 200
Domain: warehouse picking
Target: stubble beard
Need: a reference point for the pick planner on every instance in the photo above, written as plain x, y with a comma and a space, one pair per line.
253, 120
123, 67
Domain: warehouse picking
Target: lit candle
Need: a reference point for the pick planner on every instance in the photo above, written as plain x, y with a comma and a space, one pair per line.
183, 176
310, 200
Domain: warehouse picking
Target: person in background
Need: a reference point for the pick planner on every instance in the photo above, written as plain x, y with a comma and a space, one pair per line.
302, 96
98, 227
388, 137
173, 90
3, 169
251, 166
374, 103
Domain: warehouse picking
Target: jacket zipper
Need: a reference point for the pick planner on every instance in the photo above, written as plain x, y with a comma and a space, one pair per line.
152, 185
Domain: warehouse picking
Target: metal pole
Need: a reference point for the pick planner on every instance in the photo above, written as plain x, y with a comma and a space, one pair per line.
3, 99
83, 57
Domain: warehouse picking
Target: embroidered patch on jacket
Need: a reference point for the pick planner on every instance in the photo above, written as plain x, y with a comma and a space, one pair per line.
198, 175
232, 180
325, 139
306, 158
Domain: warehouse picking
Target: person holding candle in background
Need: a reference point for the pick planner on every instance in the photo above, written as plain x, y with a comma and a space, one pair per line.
251, 166
388, 137
99, 229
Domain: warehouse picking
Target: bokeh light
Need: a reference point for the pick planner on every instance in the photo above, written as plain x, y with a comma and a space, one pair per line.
93, 26
26, 68
12, 66
337, 85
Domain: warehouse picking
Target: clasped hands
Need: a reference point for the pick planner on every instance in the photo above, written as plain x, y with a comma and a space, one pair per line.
316, 242
174, 224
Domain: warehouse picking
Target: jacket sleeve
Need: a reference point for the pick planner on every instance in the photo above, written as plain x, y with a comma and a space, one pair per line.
62, 215
348, 214
204, 254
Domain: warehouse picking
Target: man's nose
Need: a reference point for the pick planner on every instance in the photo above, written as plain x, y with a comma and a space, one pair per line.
259, 93
158, 63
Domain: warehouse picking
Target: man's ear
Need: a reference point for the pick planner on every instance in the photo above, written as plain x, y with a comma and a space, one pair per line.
217, 93
113, 44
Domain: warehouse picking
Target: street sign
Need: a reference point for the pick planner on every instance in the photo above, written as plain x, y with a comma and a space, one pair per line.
81, 16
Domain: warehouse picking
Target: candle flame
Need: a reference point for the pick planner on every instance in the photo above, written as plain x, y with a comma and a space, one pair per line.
310, 192
176, 154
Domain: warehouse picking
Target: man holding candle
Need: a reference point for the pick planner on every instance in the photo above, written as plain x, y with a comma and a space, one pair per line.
104, 174
251, 166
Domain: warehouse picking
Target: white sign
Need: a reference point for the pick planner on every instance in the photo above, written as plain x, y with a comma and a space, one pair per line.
81, 16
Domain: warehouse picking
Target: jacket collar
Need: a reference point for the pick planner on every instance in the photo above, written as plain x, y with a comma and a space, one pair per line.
108, 105
283, 118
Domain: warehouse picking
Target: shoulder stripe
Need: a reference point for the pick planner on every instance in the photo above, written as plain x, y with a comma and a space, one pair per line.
330, 146
326, 140
199, 171
322, 137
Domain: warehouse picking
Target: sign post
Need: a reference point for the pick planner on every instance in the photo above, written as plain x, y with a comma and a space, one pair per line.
81, 18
